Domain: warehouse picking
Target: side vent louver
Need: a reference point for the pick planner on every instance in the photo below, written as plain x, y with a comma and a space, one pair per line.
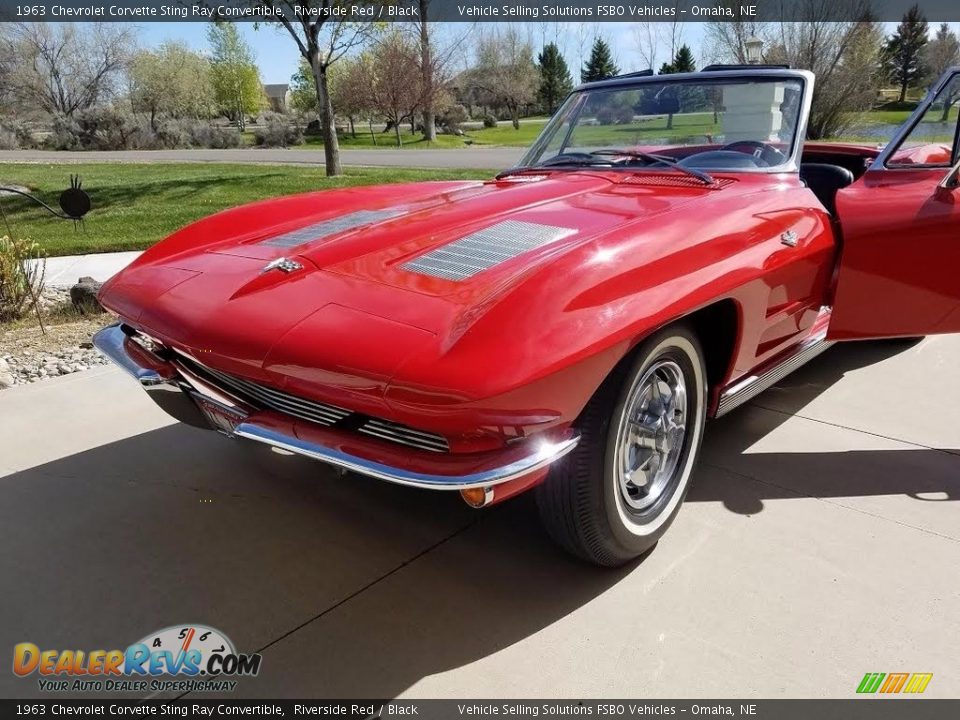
329, 227
485, 248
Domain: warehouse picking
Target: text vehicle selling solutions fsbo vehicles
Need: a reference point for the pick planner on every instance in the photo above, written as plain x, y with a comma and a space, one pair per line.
569, 326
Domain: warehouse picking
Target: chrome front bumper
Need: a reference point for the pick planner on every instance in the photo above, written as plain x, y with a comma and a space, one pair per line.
178, 392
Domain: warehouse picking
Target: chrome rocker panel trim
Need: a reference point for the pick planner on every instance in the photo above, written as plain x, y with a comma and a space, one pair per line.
111, 341
751, 386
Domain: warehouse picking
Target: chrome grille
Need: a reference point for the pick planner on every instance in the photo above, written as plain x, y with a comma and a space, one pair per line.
485, 248
329, 227
402, 434
320, 413
316, 412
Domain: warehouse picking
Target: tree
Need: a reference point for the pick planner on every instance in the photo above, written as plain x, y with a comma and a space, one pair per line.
171, 80
682, 62
600, 66
391, 76
63, 67
555, 80
303, 89
427, 75
236, 79
505, 74
650, 36
942, 53
727, 41
8, 65
322, 36
904, 55
843, 55
349, 93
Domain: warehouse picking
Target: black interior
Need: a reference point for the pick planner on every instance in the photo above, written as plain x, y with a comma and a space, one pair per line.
854, 162
825, 180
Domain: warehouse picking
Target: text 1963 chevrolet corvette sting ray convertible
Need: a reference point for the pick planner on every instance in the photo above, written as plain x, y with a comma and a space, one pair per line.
668, 248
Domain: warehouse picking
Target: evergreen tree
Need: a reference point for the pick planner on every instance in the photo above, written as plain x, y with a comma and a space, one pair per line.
555, 80
904, 57
684, 61
600, 66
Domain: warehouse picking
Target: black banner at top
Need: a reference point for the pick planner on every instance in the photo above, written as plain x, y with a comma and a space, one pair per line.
622, 709
471, 10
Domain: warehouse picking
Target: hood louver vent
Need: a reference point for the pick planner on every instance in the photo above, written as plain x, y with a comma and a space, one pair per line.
479, 251
333, 226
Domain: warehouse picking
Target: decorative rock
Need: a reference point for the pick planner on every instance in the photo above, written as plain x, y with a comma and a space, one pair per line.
83, 295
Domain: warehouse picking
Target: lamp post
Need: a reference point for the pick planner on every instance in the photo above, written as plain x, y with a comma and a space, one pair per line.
754, 50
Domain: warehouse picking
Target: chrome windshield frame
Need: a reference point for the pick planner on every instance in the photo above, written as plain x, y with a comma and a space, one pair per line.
792, 164
904, 131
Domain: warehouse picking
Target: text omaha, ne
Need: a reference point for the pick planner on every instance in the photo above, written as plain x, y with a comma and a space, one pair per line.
604, 11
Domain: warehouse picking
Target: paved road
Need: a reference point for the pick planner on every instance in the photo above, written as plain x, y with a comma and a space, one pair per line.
820, 541
471, 157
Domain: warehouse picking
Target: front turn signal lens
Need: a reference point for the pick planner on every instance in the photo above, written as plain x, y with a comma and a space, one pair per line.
477, 497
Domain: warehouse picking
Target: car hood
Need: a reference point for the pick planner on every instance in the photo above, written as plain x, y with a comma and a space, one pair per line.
377, 273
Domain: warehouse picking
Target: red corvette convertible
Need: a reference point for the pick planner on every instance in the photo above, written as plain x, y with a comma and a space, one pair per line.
667, 249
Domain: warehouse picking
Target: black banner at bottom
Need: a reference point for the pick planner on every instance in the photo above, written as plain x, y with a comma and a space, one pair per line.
872, 708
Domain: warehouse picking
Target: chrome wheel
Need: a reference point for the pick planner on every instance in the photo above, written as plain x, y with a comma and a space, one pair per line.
651, 435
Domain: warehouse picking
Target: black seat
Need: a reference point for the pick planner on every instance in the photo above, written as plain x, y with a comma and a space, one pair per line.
825, 180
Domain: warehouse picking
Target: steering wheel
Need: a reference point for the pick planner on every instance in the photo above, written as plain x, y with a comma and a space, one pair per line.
759, 150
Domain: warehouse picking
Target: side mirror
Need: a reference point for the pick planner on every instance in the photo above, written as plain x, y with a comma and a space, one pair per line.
950, 182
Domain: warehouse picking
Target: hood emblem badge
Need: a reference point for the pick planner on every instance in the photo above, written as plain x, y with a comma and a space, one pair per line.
283, 265
789, 238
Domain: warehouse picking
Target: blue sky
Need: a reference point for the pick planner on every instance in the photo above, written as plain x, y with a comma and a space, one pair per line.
277, 54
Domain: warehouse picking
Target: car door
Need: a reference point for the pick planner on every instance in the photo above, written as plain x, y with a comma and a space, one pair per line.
899, 271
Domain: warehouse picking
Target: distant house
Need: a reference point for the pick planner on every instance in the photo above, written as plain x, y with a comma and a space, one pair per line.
278, 96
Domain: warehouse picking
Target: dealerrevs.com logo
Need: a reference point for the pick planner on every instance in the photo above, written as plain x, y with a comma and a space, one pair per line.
178, 658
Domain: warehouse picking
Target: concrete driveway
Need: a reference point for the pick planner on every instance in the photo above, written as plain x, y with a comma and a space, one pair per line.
820, 541
469, 157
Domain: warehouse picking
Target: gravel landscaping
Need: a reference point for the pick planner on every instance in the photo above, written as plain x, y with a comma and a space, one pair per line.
28, 356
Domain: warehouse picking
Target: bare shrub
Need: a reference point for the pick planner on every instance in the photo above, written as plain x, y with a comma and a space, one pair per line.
99, 128
8, 139
453, 118
15, 135
21, 279
109, 128
212, 136
276, 131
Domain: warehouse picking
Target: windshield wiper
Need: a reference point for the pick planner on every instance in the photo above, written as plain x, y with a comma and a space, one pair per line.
555, 161
650, 157
576, 160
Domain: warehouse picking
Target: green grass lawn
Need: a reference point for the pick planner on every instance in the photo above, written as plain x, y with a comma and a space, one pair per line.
502, 135
134, 205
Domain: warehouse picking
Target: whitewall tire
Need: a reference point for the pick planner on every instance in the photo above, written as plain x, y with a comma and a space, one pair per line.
616, 494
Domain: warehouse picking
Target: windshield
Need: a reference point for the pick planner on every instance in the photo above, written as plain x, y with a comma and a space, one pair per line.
739, 123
